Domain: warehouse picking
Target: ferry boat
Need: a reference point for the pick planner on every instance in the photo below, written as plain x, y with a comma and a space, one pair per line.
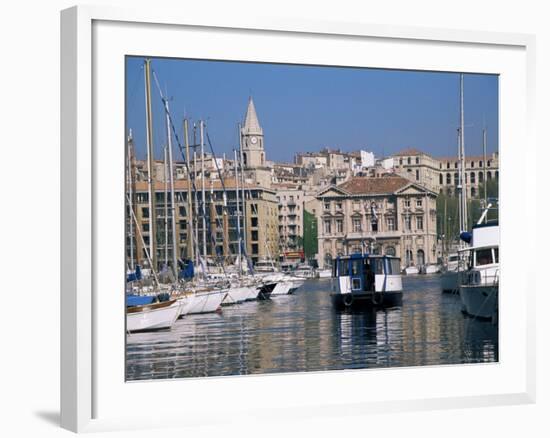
479, 282
366, 280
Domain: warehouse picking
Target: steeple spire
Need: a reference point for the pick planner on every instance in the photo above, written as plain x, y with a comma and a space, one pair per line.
251, 123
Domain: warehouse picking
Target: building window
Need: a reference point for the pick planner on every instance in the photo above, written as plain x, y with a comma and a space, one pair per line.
145, 228
182, 211
401, 161
448, 179
480, 177
390, 223
481, 164
339, 226
407, 223
448, 165
327, 227
417, 160
489, 176
338, 206
456, 178
254, 248
440, 179
419, 223
473, 191
472, 164
356, 205
417, 174
472, 177
374, 225
390, 251
254, 235
408, 160
327, 205
356, 225
254, 221
183, 225
407, 202
145, 212
419, 202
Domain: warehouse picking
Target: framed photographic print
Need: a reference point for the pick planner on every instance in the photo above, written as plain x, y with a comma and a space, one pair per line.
262, 208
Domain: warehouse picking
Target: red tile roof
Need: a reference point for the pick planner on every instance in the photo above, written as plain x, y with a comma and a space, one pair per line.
379, 185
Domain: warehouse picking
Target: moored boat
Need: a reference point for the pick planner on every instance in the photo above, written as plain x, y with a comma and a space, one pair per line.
149, 317
361, 280
479, 282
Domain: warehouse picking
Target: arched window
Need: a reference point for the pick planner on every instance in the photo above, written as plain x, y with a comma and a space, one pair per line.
448, 165
440, 179
481, 164
245, 159
496, 174
448, 179
472, 164
489, 176
456, 164
456, 178
390, 250
408, 160
472, 177
480, 177
417, 160
420, 257
473, 192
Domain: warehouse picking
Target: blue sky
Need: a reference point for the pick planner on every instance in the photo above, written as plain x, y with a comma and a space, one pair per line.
306, 108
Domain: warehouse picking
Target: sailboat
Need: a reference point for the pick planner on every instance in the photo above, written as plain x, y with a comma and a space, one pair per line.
450, 278
161, 313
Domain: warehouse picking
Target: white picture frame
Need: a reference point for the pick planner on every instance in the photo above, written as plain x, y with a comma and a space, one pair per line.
91, 390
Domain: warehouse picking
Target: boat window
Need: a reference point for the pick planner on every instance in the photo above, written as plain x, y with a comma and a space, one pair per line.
334, 264
343, 269
393, 267
355, 267
379, 266
484, 257
495, 250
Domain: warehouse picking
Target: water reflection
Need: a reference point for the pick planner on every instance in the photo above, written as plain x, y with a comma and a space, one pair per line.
302, 332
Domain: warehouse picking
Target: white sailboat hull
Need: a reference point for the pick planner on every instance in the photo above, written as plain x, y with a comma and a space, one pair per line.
411, 270
152, 318
325, 273
186, 303
237, 295
281, 288
206, 302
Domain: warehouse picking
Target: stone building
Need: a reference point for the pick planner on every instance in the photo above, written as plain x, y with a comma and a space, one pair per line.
261, 215
442, 174
386, 215
291, 209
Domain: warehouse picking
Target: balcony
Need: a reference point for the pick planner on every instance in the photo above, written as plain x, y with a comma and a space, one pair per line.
377, 234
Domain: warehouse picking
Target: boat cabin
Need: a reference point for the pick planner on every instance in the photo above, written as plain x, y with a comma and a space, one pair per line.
366, 273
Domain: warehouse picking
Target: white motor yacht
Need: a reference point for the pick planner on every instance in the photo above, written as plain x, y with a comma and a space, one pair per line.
479, 282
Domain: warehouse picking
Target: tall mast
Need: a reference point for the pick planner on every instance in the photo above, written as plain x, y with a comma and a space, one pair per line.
462, 158
190, 237
238, 212
130, 196
485, 168
242, 188
196, 227
459, 187
172, 194
150, 166
204, 252
165, 206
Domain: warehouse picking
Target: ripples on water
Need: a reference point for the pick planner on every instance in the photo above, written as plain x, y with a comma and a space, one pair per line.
302, 332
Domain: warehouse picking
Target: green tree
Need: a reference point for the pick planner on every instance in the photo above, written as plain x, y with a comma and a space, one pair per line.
310, 235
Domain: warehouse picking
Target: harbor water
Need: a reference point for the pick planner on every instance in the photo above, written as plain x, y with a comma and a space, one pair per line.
302, 332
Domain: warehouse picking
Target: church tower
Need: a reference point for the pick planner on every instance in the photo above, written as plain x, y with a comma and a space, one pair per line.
252, 139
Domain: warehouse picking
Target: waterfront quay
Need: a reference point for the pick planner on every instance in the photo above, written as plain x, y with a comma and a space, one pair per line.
303, 332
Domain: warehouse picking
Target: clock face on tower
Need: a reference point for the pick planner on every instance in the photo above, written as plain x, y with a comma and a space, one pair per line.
253, 140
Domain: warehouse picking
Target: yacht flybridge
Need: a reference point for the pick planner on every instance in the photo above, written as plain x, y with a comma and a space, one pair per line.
366, 280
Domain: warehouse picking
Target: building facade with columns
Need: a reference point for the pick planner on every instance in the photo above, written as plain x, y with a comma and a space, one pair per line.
385, 215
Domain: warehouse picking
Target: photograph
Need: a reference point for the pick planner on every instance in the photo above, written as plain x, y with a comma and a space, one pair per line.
290, 218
